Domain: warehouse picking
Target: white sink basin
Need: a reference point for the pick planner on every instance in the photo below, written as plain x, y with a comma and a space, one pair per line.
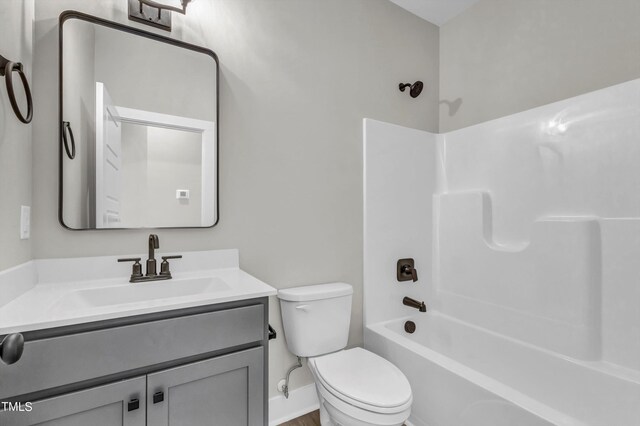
141, 292
53, 293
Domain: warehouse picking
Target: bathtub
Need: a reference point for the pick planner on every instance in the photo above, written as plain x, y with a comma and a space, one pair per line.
463, 375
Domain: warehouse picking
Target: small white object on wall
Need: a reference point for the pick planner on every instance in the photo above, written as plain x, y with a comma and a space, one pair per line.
182, 194
25, 222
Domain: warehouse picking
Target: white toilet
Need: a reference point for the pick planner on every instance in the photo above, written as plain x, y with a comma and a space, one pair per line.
355, 387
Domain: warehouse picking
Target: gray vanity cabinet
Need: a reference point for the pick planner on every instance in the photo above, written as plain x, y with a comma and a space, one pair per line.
201, 366
225, 391
116, 404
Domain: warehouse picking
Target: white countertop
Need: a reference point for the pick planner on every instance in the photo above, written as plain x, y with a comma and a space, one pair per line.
54, 303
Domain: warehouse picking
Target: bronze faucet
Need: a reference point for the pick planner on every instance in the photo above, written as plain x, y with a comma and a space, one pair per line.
152, 274
414, 304
154, 243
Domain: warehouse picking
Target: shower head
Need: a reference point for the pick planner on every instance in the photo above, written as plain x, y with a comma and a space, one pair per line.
416, 88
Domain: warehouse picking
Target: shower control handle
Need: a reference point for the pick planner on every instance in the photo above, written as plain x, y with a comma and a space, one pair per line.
406, 271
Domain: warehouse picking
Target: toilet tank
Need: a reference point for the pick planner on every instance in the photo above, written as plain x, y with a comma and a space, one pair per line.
316, 318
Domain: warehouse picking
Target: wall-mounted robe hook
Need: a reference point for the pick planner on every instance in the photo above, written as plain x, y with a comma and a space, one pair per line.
66, 129
7, 69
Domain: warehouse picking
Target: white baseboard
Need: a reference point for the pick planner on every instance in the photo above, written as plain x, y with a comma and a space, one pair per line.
408, 423
301, 401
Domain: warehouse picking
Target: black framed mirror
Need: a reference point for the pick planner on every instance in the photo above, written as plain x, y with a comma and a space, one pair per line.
138, 128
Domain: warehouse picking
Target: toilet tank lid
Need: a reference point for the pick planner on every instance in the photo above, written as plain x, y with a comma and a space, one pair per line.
315, 292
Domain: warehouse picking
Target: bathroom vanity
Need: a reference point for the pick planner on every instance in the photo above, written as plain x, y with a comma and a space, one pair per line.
108, 352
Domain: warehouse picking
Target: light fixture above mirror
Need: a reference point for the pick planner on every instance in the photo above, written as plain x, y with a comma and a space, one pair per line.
156, 13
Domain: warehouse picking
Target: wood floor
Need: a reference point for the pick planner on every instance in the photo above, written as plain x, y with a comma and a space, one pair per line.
309, 419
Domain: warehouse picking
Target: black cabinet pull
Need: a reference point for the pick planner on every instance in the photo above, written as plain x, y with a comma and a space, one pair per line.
134, 404
158, 397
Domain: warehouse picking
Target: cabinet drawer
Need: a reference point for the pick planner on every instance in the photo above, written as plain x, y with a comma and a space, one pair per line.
107, 405
60, 361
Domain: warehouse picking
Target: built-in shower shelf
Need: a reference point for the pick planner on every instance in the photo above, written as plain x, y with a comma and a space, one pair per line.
546, 291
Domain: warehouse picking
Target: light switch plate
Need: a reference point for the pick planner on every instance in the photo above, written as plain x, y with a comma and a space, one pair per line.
25, 222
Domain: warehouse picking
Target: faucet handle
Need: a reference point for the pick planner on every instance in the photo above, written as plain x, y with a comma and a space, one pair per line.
164, 266
414, 274
405, 270
136, 270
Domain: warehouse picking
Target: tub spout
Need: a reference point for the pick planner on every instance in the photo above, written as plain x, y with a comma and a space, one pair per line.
414, 304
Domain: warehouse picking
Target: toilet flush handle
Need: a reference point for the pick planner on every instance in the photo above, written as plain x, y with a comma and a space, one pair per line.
303, 307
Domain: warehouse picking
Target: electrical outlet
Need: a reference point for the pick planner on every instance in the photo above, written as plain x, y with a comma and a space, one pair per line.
25, 222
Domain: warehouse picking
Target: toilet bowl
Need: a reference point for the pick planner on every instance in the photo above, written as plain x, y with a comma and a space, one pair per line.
358, 388
355, 387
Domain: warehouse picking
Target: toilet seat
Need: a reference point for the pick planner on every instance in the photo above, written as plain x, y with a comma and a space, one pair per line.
363, 379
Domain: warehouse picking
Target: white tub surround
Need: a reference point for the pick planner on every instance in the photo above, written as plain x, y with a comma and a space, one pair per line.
52, 293
526, 236
399, 178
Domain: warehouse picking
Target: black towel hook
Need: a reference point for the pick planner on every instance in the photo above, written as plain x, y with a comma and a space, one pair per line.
7, 68
66, 128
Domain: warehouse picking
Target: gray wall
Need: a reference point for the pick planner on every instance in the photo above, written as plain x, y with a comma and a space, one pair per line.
16, 41
504, 56
297, 77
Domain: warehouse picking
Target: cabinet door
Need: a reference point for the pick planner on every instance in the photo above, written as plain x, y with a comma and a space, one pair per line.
224, 391
107, 405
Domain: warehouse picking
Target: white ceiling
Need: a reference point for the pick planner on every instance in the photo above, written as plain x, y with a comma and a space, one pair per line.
435, 11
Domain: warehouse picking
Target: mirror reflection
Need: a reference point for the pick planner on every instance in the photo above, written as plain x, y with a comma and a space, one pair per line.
139, 132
